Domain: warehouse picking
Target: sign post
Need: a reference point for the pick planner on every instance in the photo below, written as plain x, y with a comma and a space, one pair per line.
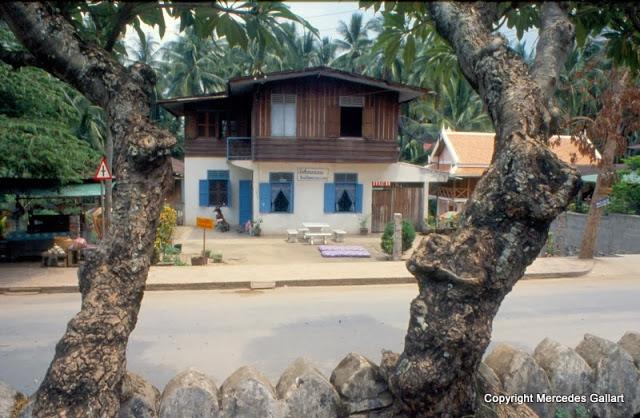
204, 223
103, 173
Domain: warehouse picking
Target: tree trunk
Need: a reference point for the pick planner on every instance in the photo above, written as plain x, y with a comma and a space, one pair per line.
85, 376
464, 277
606, 174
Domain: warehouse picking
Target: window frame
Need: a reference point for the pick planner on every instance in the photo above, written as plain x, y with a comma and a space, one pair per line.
351, 102
209, 125
288, 102
285, 179
342, 180
223, 202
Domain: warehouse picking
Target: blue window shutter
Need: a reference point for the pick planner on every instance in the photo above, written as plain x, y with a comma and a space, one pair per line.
217, 174
359, 194
329, 198
291, 199
265, 197
229, 200
203, 189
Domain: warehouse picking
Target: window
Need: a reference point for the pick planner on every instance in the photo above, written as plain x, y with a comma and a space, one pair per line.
277, 195
344, 195
206, 123
216, 189
218, 192
351, 116
283, 115
228, 127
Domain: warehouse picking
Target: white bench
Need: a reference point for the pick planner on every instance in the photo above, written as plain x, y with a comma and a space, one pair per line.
292, 235
301, 232
338, 235
312, 236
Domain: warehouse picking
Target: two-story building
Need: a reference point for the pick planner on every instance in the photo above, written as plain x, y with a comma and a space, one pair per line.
314, 145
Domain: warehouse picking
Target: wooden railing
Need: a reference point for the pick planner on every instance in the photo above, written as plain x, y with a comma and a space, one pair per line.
453, 193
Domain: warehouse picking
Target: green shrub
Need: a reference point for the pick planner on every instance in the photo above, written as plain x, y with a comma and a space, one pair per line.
164, 232
408, 235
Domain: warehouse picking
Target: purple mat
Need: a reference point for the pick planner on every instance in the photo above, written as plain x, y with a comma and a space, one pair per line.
343, 251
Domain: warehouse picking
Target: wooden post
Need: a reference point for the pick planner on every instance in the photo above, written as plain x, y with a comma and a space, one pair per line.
204, 240
104, 215
397, 236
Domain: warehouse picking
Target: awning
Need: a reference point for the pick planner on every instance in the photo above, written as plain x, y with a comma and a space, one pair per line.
72, 190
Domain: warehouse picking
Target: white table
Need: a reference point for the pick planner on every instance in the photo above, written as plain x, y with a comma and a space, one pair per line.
315, 226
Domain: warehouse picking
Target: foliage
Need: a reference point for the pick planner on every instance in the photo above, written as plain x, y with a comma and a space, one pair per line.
408, 235
364, 219
3, 226
625, 195
578, 206
46, 131
43, 149
164, 232
550, 247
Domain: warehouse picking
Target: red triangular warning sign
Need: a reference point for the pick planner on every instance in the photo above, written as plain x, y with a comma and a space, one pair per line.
102, 173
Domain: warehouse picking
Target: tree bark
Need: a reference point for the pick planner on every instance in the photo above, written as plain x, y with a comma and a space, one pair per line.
464, 277
606, 175
85, 376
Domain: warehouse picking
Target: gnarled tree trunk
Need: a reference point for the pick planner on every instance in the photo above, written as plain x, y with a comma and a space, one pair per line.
464, 277
85, 375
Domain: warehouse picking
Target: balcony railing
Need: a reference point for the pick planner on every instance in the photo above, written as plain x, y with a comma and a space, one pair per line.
239, 148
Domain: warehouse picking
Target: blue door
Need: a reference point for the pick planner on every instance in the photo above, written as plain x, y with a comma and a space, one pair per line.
246, 201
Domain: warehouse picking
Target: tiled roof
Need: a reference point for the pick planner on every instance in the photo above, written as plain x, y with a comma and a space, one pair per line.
476, 149
470, 171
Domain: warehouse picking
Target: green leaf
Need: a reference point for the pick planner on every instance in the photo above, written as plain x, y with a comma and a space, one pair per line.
232, 30
409, 51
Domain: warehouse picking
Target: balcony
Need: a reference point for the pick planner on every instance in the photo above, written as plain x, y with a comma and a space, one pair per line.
239, 148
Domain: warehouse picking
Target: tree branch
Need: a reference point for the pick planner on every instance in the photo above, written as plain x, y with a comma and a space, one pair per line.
554, 45
125, 15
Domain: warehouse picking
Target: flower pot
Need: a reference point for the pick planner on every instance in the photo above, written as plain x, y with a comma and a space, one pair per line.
198, 261
364, 231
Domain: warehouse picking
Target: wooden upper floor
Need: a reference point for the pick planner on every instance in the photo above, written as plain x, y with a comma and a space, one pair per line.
320, 115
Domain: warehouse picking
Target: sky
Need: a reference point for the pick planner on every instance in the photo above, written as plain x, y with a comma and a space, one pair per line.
323, 15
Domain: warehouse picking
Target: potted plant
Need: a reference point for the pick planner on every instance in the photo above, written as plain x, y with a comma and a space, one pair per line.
364, 220
198, 261
216, 257
256, 230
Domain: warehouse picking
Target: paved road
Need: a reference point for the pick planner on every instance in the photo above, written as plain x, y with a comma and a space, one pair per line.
221, 330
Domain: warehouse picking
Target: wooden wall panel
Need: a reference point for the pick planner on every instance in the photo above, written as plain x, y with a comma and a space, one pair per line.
317, 100
324, 150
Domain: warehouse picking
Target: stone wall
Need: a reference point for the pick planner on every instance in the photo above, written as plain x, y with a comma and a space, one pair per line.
357, 388
617, 234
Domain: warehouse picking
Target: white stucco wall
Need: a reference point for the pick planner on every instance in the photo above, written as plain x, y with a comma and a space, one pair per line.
309, 194
195, 169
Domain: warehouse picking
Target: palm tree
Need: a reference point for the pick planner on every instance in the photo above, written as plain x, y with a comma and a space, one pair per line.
584, 79
325, 52
354, 44
191, 65
145, 49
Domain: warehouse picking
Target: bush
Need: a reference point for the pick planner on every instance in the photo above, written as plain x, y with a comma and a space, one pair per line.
167, 223
408, 235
